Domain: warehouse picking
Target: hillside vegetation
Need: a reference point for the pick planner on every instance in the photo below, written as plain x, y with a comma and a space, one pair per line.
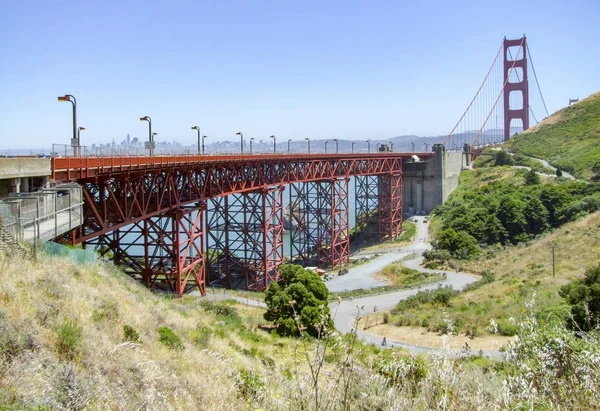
569, 139
76, 337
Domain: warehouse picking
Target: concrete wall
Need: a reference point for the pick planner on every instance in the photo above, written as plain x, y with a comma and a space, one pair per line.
23, 174
426, 184
24, 167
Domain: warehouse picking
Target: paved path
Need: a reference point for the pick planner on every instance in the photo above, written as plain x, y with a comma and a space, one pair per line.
346, 311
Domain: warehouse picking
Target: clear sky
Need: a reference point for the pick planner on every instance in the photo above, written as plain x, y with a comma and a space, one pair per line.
319, 69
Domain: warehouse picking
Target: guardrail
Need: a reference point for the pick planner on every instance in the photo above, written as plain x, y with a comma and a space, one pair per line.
42, 215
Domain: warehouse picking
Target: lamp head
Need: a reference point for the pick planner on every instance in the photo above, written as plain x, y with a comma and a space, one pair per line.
64, 98
145, 118
81, 128
239, 133
204, 136
271, 136
154, 134
195, 128
306, 138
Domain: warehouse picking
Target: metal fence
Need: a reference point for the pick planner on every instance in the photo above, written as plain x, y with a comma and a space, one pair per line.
42, 215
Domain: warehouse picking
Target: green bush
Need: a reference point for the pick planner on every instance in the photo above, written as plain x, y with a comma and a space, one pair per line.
170, 339
201, 336
506, 328
130, 334
584, 297
298, 301
69, 338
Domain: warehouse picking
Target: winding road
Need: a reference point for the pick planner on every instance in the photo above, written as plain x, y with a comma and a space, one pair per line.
347, 310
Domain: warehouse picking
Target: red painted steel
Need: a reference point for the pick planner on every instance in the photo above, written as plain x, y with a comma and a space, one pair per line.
245, 239
520, 86
129, 200
164, 252
366, 200
390, 205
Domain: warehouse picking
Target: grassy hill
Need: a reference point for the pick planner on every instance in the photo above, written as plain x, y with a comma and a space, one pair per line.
85, 336
569, 139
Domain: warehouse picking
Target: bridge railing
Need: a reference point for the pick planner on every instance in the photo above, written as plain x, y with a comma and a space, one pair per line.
42, 215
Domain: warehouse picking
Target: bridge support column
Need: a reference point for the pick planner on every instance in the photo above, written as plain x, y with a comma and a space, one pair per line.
366, 199
245, 238
390, 205
164, 252
320, 219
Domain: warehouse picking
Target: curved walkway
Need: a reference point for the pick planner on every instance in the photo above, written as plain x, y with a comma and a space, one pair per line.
346, 311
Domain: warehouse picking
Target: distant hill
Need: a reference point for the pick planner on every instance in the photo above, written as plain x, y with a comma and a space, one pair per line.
569, 139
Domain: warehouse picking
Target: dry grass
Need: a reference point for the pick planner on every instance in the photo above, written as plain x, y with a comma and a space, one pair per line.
227, 363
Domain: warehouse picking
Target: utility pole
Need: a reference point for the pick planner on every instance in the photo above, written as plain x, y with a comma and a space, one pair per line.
553, 266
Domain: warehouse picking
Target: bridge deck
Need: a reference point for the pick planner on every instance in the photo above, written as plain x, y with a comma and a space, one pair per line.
70, 168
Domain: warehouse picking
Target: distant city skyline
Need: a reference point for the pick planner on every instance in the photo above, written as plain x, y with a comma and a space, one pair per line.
339, 69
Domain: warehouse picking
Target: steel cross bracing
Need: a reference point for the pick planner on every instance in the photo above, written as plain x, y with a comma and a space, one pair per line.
390, 205
151, 217
164, 252
245, 239
118, 199
366, 200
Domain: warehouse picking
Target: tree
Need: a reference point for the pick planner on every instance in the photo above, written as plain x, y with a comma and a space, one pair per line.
298, 300
460, 244
536, 215
532, 178
503, 159
558, 172
584, 297
511, 215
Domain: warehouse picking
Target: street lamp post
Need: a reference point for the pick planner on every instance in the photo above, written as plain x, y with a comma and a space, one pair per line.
251, 140
289, 141
336, 145
426, 146
413, 146
150, 136
274, 144
308, 142
203, 137
74, 141
326, 141
391, 146
79, 139
198, 130
239, 133
354, 142
369, 145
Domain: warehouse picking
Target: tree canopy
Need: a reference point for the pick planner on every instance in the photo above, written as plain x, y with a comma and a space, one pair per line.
298, 301
584, 297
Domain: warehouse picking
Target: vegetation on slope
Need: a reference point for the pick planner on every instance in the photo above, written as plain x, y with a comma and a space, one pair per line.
569, 139
76, 336
500, 205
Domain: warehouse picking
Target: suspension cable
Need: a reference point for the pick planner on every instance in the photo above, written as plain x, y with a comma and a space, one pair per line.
476, 94
501, 91
536, 81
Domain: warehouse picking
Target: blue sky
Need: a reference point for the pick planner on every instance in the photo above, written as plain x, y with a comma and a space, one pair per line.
322, 69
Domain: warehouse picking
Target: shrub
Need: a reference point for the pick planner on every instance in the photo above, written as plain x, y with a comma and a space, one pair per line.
201, 336
70, 337
108, 310
130, 334
170, 339
584, 297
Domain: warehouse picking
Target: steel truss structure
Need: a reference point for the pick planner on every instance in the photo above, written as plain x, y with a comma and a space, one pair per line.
245, 239
390, 205
163, 252
149, 212
319, 216
366, 201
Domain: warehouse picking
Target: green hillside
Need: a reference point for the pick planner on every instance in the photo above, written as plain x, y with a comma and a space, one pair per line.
569, 139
